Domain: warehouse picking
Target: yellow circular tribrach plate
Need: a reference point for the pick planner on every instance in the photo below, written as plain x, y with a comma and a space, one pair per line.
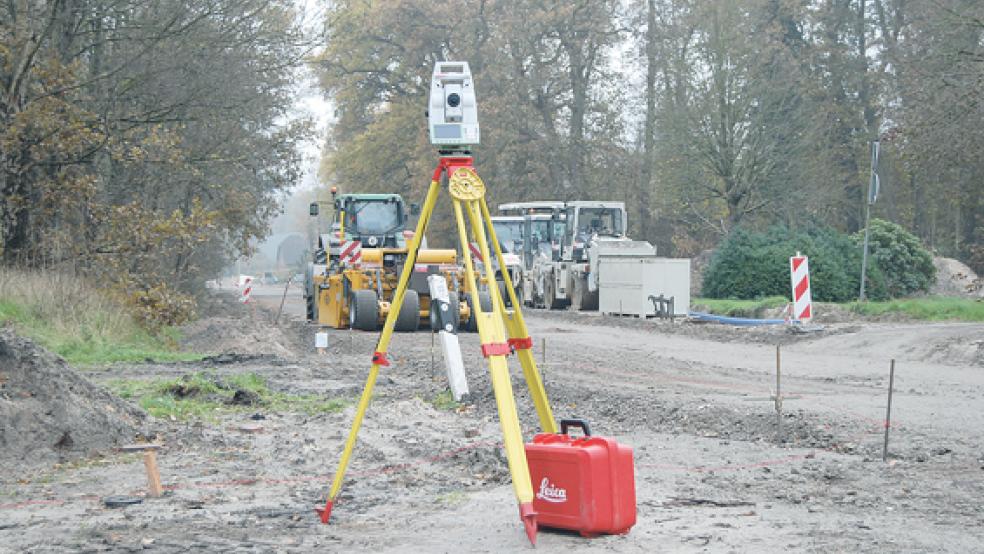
465, 184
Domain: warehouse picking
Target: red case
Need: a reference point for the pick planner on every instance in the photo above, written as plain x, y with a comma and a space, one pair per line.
585, 484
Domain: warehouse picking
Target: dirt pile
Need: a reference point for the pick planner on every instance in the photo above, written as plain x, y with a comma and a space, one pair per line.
226, 335
954, 278
230, 329
50, 413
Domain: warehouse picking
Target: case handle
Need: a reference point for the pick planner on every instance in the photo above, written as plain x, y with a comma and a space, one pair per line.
582, 423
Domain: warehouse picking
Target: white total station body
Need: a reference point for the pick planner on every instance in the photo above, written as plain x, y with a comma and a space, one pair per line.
453, 113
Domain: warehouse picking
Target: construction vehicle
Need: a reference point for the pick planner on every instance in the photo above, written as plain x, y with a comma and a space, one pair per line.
356, 265
508, 230
536, 229
586, 261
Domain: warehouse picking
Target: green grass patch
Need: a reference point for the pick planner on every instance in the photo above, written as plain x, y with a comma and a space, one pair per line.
80, 323
203, 395
445, 401
930, 308
738, 308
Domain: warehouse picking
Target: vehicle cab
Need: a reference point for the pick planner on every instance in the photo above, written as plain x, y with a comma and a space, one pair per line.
589, 221
376, 220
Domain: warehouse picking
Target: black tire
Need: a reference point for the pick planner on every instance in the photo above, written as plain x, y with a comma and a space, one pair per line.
309, 293
453, 307
582, 299
309, 300
486, 303
408, 319
504, 293
550, 300
364, 311
454, 304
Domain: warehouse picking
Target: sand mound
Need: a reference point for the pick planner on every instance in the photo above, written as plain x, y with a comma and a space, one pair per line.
954, 278
50, 413
230, 335
229, 329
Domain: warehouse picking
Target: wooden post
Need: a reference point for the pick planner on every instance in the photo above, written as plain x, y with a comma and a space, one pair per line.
543, 352
778, 393
149, 450
154, 488
888, 410
276, 320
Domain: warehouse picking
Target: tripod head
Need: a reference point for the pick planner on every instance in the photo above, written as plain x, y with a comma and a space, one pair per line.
453, 112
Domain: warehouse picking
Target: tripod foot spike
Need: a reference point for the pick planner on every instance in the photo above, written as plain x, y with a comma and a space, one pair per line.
528, 515
325, 513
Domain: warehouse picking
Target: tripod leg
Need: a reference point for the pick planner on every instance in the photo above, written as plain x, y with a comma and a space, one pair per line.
379, 356
519, 336
493, 337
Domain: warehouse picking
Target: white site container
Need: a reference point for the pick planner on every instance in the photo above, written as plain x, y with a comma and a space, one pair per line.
625, 284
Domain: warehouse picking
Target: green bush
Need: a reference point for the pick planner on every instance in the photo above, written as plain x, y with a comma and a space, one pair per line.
756, 265
906, 265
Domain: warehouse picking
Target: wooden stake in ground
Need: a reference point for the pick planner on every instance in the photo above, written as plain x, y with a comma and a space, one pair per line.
778, 394
154, 489
276, 320
543, 352
888, 410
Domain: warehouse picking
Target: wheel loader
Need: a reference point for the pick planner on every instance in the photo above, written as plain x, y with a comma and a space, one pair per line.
578, 254
357, 265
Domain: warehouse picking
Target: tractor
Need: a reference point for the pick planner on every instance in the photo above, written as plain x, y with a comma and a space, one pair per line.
357, 265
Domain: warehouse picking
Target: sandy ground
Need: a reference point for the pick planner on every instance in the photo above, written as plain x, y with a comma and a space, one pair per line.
693, 400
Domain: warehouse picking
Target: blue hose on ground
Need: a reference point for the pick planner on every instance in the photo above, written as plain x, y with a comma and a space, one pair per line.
739, 321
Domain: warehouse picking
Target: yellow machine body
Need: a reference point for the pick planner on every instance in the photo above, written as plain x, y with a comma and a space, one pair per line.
335, 287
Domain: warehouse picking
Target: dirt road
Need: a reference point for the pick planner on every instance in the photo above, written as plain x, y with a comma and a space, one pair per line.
693, 400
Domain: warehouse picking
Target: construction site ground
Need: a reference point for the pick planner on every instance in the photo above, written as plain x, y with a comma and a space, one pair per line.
694, 400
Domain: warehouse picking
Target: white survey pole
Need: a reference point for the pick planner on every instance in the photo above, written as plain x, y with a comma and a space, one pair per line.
457, 380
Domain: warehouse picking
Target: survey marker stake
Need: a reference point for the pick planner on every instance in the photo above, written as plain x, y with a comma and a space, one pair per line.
778, 394
280, 310
888, 409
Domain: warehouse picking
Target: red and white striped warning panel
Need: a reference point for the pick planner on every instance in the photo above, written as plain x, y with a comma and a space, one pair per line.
350, 253
247, 290
799, 270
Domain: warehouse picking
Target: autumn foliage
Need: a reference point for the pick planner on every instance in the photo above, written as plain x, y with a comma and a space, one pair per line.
143, 145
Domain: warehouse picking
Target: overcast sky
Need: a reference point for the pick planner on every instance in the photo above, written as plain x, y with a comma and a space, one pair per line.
310, 101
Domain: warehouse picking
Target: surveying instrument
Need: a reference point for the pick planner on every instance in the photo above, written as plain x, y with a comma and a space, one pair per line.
453, 122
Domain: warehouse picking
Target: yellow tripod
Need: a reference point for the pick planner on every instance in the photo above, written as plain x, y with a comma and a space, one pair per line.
468, 196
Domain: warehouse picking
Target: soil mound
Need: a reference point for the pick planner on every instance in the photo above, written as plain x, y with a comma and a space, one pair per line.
231, 331
233, 336
50, 413
954, 278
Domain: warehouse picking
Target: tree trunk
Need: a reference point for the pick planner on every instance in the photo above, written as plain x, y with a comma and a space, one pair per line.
649, 139
578, 110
